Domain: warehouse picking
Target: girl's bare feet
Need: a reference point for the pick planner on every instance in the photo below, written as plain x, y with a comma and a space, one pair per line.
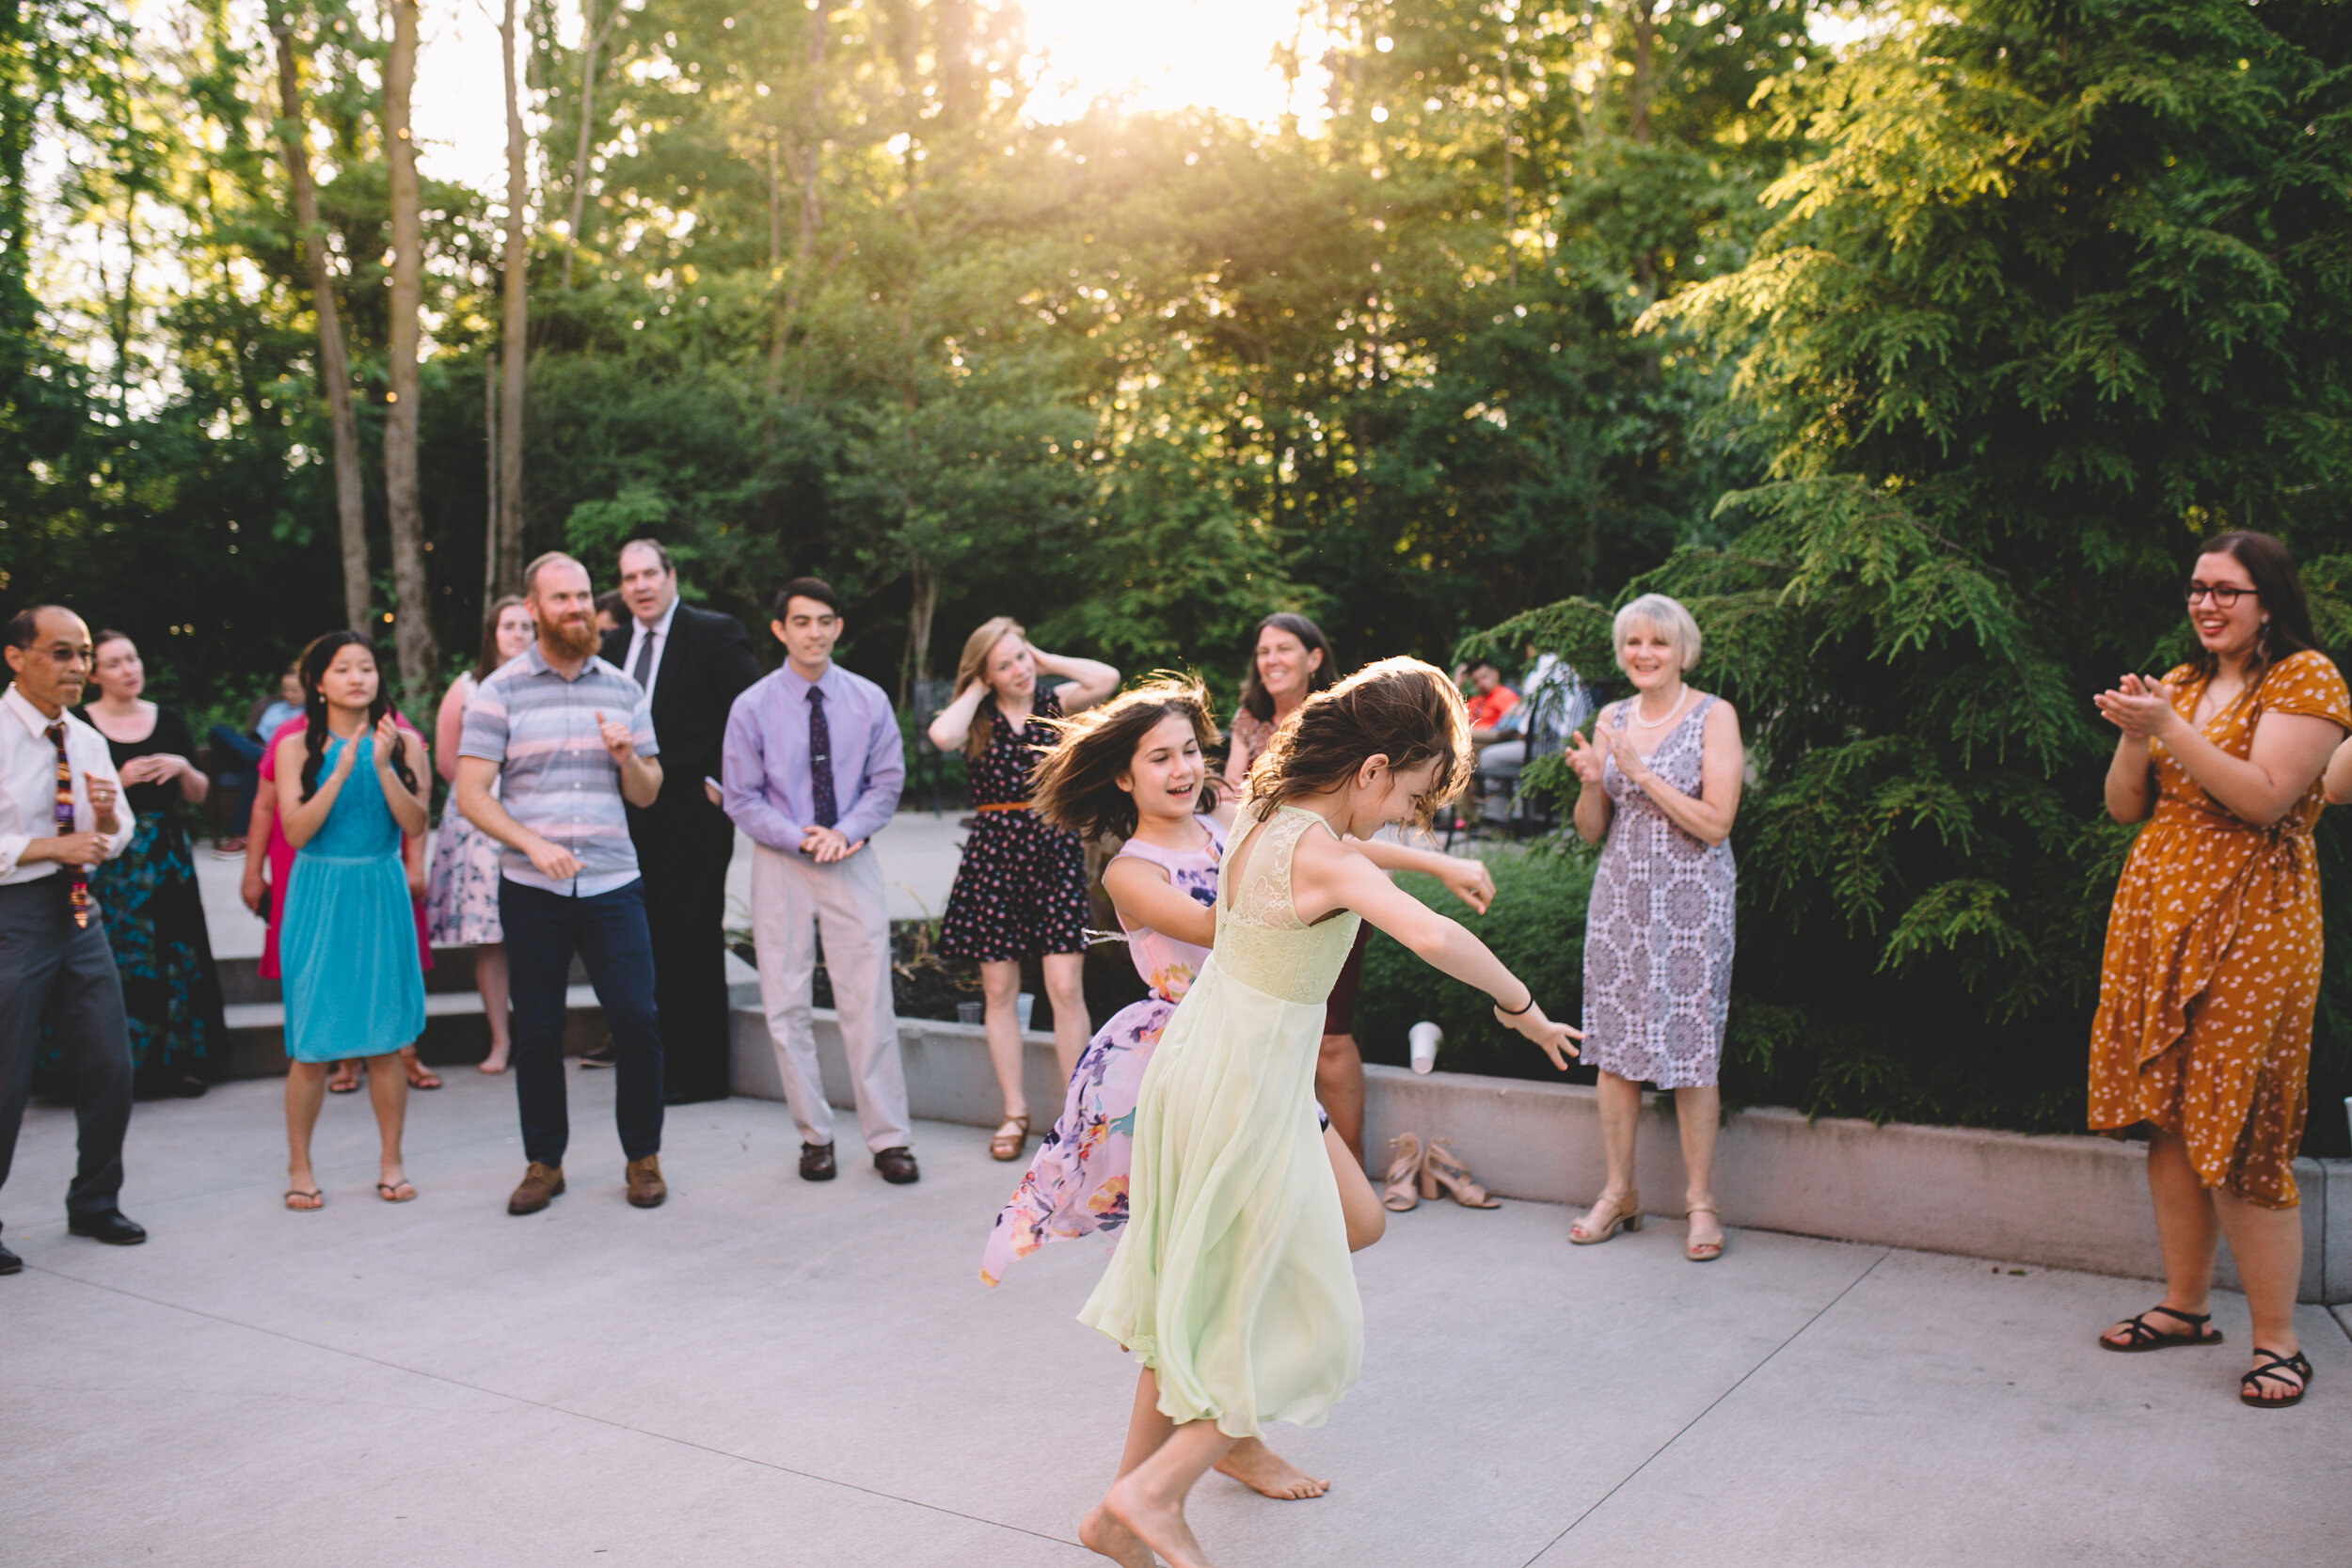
495, 1062
1101, 1534
1157, 1519
1268, 1474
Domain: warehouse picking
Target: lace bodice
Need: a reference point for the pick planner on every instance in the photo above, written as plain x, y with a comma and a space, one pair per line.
1261, 941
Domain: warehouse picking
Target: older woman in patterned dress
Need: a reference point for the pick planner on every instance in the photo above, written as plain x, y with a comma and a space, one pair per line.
2212, 966
1659, 794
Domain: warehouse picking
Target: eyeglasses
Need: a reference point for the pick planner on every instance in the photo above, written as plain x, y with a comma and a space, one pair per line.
2224, 595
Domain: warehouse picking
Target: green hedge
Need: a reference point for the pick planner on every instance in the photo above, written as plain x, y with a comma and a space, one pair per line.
1535, 925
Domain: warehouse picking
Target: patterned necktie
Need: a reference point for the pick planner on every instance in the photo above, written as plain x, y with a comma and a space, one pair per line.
66, 826
643, 671
820, 761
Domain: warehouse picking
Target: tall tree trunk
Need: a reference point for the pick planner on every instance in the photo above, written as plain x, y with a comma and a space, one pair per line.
587, 108
515, 331
490, 478
919, 610
1510, 187
334, 367
412, 626
806, 161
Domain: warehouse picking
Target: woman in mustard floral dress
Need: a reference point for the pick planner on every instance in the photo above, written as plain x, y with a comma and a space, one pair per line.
2213, 953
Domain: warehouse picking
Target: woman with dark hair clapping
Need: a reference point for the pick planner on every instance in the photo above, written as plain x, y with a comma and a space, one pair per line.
348, 787
2211, 975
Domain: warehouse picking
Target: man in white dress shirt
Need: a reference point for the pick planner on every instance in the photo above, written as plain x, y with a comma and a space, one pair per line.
54, 956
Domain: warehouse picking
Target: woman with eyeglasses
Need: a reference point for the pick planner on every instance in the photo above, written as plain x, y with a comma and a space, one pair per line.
2211, 976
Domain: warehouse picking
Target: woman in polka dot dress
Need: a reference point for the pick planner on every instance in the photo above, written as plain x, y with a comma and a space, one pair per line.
2212, 968
1020, 888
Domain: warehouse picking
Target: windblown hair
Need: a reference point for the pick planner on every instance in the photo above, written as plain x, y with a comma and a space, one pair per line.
977, 648
315, 658
489, 660
1255, 699
1402, 708
2279, 587
1076, 784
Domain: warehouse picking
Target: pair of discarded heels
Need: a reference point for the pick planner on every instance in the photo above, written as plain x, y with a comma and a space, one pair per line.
1417, 1171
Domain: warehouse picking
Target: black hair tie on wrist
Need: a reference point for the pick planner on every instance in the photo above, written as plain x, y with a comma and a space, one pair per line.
1515, 1012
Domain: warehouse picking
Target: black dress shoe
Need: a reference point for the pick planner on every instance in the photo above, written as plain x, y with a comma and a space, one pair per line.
109, 1228
816, 1163
9, 1262
691, 1096
898, 1166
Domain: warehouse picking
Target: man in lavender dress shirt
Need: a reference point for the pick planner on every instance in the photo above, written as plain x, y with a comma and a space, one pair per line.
812, 770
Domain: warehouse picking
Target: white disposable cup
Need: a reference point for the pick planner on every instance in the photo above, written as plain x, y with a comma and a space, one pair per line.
1023, 1006
1425, 1037
969, 1012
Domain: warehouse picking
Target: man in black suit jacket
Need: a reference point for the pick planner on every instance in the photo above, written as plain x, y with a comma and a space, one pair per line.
692, 663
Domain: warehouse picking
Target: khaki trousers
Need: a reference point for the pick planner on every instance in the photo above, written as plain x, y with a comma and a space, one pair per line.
792, 898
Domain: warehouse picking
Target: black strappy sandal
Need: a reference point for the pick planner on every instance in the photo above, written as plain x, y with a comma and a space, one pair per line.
2140, 1337
2249, 1386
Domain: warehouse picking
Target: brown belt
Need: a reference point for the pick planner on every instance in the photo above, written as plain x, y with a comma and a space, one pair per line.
1004, 805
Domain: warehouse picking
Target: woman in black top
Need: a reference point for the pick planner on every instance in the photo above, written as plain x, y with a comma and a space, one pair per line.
154, 914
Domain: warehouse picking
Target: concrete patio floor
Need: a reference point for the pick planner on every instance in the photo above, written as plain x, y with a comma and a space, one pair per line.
769, 1372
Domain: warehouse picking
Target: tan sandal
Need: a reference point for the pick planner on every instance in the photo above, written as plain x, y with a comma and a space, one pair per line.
1625, 1213
1441, 1170
1011, 1138
1402, 1190
1704, 1252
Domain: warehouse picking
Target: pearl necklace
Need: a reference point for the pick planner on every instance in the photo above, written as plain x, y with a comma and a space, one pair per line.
1671, 711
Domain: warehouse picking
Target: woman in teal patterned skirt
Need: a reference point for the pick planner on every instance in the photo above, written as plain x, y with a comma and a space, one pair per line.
154, 912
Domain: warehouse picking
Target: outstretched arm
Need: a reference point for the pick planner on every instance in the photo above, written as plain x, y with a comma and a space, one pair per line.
1142, 894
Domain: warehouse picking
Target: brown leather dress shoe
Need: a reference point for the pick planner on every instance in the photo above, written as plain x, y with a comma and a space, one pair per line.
645, 1187
816, 1163
898, 1166
540, 1183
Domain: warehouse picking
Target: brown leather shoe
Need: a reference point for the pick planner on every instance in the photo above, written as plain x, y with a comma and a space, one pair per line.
645, 1187
897, 1166
540, 1183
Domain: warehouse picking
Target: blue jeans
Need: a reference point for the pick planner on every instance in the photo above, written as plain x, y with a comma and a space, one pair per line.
543, 931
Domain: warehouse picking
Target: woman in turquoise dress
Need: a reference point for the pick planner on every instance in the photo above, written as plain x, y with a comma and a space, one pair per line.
348, 787
1232, 1282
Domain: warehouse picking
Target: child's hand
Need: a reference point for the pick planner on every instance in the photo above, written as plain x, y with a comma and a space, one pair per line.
1552, 1037
1468, 880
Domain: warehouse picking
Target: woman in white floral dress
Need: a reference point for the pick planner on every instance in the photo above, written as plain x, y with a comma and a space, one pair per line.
461, 899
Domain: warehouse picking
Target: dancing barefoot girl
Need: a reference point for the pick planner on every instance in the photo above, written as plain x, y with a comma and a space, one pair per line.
1232, 1282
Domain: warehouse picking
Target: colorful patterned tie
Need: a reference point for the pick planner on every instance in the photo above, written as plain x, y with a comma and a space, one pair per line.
820, 761
66, 826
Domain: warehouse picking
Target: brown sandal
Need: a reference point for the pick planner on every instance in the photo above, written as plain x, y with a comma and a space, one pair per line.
1704, 1252
1441, 1170
1625, 1213
1011, 1138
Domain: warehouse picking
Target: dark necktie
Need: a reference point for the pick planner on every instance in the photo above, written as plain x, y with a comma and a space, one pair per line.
820, 761
66, 824
644, 670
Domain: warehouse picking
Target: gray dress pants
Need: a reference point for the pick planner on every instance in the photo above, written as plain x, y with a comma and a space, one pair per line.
48, 965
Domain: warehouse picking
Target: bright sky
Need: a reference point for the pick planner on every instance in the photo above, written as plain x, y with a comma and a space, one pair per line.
1163, 54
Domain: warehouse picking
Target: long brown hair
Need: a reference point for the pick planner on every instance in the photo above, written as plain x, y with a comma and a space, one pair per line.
1255, 699
489, 660
2287, 627
1076, 784
1399, 707
975, 659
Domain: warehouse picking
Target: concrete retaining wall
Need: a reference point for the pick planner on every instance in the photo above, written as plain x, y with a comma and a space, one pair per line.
2069, 1202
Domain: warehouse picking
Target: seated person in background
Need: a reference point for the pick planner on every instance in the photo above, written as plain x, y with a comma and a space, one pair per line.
1490, 701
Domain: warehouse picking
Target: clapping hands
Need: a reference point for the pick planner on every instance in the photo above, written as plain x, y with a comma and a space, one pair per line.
2141, 708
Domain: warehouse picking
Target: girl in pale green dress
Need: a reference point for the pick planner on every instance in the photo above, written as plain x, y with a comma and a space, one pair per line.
1232, 1282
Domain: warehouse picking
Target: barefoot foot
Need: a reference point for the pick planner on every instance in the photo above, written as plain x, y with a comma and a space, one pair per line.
1268, 1474
494, 1063
1101, 1533
1158, 1521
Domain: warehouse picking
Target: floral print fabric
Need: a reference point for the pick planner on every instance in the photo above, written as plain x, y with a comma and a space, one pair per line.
2211, 972
1657, 934
1021, 887
1076, 1184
